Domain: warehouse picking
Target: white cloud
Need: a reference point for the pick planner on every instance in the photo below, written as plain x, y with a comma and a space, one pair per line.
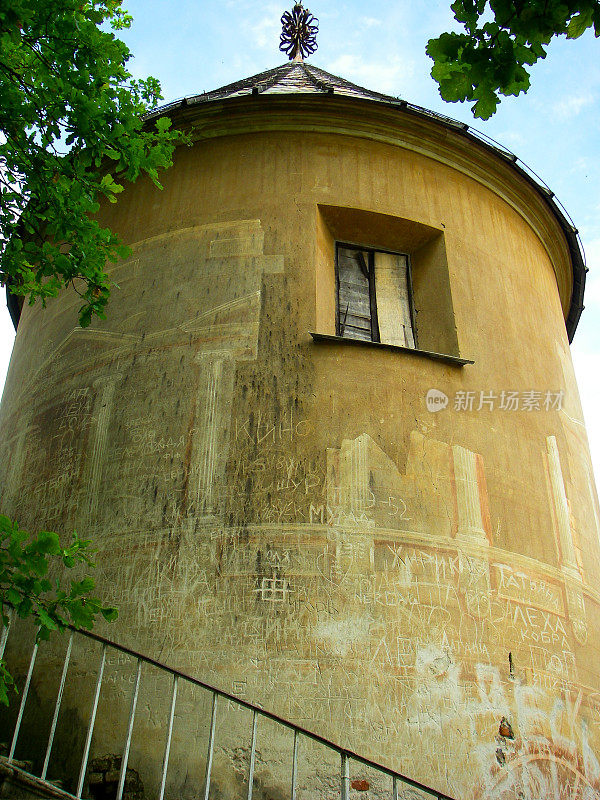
247, 26
389, 76
369, 22
572, 106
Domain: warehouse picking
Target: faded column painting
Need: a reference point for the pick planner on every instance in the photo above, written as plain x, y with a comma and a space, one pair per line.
105, 390
468, 500
569, 566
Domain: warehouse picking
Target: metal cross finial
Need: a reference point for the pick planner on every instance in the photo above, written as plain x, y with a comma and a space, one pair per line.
298, 37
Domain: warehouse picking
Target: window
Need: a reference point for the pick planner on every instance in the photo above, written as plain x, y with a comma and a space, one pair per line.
374, 301
398, 293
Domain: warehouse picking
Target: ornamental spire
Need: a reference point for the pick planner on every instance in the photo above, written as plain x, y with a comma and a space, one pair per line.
299, 31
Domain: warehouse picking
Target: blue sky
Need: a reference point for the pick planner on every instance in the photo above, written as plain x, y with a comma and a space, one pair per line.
193, 46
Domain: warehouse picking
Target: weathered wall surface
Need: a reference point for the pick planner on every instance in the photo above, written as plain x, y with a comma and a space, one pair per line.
286, 518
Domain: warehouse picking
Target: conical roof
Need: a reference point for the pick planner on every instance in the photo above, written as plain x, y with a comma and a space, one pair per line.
293, 77
301, 78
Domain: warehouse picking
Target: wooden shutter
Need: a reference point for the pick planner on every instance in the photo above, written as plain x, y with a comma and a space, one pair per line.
392, 288
356, 313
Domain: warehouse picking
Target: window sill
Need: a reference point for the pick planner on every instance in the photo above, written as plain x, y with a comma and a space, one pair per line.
455, 360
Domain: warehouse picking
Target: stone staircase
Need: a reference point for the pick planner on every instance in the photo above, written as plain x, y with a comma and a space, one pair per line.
17, 782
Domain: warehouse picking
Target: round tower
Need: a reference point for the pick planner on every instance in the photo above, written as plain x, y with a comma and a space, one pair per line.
328, 441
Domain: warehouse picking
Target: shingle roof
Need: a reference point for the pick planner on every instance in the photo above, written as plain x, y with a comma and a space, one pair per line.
293, 77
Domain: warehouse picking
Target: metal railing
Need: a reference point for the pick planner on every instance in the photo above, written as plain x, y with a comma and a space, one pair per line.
398, 780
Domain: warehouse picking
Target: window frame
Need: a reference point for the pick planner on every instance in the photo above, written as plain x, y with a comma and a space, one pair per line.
372, 291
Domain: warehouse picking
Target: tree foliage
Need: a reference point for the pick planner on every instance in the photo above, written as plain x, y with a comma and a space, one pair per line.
70, 133
27, 588
502, 39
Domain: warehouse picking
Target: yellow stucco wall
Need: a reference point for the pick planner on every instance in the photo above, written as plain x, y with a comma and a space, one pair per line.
285, 517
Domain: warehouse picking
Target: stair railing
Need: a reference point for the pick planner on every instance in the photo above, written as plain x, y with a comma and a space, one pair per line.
398, 780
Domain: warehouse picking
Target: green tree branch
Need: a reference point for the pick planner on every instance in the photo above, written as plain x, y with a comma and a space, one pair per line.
28, 590
70, 121
502, 39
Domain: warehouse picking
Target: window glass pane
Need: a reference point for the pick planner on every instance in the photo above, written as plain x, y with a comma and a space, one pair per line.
393, 299
353, 298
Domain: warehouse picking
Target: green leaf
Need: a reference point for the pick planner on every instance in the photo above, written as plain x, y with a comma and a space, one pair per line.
6, 683
446, 47
47, 542
110, 614
24, 607
13, 596
46, 620
486, 103
580, 23
80, 588
6, 525
107, 181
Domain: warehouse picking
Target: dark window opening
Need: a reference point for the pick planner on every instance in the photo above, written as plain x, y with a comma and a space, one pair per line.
374, 296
